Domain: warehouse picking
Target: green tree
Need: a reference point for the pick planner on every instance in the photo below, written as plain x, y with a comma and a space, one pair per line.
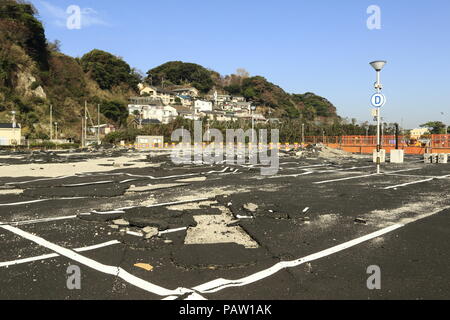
435, 127
108, 70
115, 111
180, 73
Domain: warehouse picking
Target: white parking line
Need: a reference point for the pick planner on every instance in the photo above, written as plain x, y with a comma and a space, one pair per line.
220, 284
363, 176
23, 223
54, 255
172, 231
37, 201
416, 182
87, 183
111, 270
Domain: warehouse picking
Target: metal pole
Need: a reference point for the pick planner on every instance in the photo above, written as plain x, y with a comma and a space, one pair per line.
253, 128
82, 132
397, 131
51, 122
303, 133
98, 124
85, 123
378, 128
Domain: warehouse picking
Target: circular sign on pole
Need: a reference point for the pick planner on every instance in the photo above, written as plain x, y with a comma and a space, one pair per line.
378, 100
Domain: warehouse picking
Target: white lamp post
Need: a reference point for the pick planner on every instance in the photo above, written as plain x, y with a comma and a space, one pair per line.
378, 66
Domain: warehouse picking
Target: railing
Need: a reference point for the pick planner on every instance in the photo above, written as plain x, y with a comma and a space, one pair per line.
438, 143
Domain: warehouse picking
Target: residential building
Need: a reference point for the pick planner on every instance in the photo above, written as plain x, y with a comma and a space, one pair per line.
202, 106
419, 132
191, 92
10, 134
237, 99
104, 129
164, 114
144, 142
149, 91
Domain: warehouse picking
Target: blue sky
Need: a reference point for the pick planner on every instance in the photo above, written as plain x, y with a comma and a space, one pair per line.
321, 46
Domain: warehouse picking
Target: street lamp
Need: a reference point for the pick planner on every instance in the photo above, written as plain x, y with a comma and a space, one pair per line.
378, 66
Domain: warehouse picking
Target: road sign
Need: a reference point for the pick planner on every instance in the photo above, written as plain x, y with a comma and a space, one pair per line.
378, 100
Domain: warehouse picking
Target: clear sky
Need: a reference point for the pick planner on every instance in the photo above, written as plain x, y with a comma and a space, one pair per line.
320, 46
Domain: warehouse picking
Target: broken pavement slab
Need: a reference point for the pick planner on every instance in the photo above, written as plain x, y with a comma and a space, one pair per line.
121, 222
154, 187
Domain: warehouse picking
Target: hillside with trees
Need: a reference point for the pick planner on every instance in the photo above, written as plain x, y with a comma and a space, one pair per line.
34, 74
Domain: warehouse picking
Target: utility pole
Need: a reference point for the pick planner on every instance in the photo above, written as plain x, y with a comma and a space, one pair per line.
82, 131
303, 133
252, 109
85, 123
51, 122
98, 124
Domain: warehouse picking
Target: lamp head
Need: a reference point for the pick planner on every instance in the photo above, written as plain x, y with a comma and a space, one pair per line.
378, 65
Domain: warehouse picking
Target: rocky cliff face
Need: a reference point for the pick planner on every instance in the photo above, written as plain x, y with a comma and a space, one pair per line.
27, 85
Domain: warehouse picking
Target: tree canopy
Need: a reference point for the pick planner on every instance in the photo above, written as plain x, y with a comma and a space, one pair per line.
108, 70
435, 127
179, 73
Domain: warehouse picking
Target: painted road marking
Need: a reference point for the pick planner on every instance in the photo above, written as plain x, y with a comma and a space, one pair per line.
111, 270
416, 182
172, 231
55, 255
37, 201
220, 284
87, 183
22, 223
363, 176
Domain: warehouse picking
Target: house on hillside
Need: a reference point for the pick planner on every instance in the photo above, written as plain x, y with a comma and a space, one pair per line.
10, 134
202, 106
190, 92
165, 96
163, 114
103, 128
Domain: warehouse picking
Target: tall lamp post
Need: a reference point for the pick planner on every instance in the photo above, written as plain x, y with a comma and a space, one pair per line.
378, 101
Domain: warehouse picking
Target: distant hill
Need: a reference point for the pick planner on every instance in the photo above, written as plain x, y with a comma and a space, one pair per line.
35, 74
257, 89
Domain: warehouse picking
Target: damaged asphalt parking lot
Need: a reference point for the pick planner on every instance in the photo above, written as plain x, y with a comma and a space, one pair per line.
140, 227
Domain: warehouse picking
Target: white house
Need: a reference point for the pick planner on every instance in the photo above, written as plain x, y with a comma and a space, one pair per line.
10, 134
164, 114
419, 132
202, 106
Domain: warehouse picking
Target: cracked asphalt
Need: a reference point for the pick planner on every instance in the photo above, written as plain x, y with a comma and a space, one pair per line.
225, 232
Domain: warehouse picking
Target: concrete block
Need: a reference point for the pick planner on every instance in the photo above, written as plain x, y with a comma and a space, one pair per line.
433, 158
382, 156
397, 156
443, 158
